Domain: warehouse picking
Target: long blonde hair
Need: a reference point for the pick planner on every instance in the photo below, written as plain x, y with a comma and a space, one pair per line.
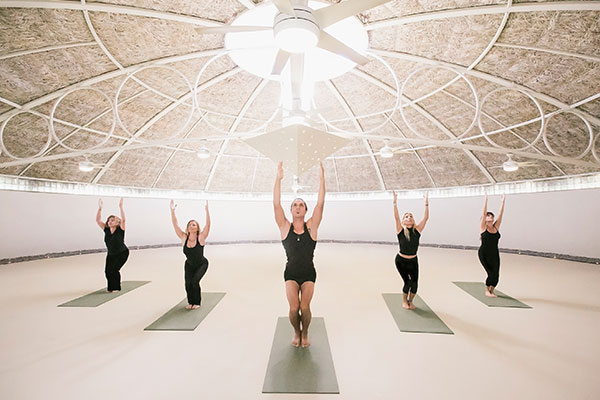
405, 229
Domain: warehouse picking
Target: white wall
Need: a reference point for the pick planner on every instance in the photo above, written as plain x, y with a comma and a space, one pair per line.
566, 222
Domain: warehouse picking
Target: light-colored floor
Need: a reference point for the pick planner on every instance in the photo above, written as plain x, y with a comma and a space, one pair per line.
549, 352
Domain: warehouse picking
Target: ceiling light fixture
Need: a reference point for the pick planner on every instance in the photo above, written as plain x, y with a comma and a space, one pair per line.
509, 165
86, 166
203, 153
386, 151
296, 34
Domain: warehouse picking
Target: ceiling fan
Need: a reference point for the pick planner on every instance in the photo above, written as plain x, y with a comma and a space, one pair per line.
511, 166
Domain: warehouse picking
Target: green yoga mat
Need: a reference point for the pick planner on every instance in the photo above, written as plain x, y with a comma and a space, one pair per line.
102, 296
477, 290
179, 318
300, 370
420, 320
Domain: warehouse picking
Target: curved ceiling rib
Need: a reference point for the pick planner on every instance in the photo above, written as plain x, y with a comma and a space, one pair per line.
247, 3
47, 48
550, 51
158, 116
428, 116
583, 5
488, 77
351, 114
109, 8
233, 127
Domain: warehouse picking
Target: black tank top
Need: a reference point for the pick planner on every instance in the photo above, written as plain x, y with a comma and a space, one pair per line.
115, 242
489, 241
409, 247
194, 255
299, 249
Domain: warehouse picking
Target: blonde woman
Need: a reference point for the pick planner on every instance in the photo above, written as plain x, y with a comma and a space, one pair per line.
193, 240
407, 263
488, 253
117, 252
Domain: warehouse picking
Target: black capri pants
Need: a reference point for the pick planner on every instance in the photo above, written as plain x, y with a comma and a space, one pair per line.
491, 264
409, 271
114, 263
193, 274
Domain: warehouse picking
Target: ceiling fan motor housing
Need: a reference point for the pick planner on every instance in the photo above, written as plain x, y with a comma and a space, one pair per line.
296, 33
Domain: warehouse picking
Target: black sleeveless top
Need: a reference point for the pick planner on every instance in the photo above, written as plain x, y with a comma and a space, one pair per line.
409, 247
194, 255
299, 250
489, 241
115, 242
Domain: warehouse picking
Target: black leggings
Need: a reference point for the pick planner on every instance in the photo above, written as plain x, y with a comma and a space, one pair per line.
409, 271
491, 264
114, 263
193, 274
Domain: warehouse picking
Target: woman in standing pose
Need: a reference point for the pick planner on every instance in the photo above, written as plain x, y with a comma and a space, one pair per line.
407, 262
193, 240
299, 240
117, 252
488, 253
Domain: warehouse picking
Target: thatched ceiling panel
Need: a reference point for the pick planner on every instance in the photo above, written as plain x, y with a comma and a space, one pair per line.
132, 40
240, 148
575, 169
592, 107
397, 8
355, 147
451, 167
185, 171
25, 145
172, 123
28, 29
28, 77
138, 167
266, 103
357, 174
387, 129
455, 40
218, 10
572, 31
328, 105
136, 113
4, 108
379, 71
567, 134
213, 125
565, 78
264, 179
402, 172
453, 114
363, 97
233, 174
220, 97
420, 123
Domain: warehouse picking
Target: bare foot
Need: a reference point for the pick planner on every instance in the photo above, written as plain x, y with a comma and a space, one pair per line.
405, 306
195, 307
490, 294
188, 307
305, 341
296, 340
412, 306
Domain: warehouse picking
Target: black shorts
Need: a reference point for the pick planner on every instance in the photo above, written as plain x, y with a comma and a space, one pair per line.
300, 278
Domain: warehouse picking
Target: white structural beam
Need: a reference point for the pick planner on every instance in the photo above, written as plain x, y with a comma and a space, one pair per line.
108, 8
485, 76
247, 3
257, 90
108, 75
550, 51
44, 49
351, 114
487, 10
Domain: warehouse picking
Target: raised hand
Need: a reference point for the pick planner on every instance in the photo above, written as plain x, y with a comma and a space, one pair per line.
206, 205
280, 170
121, 202
426, 197
100, 204
502, 198
173, 205
395, 196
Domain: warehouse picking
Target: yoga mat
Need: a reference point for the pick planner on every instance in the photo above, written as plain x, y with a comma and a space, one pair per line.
421, 320
179, 318
477, 290
300, 370
102, 296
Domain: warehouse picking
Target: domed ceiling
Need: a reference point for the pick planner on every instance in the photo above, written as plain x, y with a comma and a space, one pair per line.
171, 95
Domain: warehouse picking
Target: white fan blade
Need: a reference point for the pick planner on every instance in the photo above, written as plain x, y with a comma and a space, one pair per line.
284, 6
297, 72
280, 61
330, 15
232, 29
328, 42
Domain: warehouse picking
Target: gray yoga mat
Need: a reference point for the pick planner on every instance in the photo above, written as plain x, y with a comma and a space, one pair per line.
420, 320
179, 318
102, 296
477, 290
300, 370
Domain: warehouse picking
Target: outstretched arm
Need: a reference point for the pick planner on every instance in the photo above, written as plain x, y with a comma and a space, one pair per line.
180, 234
421, 225
500, 214
317, 215
206, 230
99, 215
278, 210
396, 215
122, 214
482, 226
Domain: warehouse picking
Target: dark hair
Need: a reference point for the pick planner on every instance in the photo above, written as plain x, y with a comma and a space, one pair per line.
303, 202
490, 213
108, 219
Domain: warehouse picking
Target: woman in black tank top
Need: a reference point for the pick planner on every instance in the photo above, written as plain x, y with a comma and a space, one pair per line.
193, 240
488, 253
117, 252
407, 263
299, 239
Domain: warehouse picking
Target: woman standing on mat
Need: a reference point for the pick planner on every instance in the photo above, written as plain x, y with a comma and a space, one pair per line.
193, 240
407, 262
299, 240
117, 252
488, 253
